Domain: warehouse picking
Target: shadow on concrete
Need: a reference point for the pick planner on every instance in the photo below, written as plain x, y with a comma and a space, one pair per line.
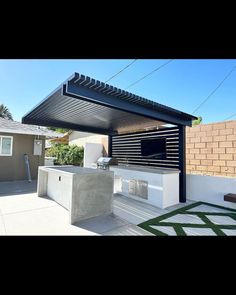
8, 188
101, 224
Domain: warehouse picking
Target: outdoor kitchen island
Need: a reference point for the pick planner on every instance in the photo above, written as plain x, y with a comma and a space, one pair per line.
156, 186
84, 192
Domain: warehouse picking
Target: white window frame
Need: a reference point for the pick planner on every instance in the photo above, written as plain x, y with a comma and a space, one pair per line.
6, 155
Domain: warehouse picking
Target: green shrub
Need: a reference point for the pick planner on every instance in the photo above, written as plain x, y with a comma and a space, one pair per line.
59, 130
66, 154
197, 122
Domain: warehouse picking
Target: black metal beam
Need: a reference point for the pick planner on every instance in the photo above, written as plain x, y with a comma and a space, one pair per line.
182, 164
90, 95
163, 130
63, 124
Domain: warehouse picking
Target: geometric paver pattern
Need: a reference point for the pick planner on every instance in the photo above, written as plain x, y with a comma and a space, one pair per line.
169, 230
207, 208
229, 232
200, 219
195, 231
224, 220
184, 218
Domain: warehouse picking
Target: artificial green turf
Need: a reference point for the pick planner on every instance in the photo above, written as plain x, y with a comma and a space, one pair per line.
179, 227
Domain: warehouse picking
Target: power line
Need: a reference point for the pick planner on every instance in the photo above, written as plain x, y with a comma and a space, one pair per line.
159, 67
206, 99
121, 70
230, 117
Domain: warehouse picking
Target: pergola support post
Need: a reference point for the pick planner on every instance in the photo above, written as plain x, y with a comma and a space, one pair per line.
182, 164
109, 145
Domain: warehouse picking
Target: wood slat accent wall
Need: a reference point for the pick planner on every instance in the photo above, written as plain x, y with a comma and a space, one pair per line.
126, 148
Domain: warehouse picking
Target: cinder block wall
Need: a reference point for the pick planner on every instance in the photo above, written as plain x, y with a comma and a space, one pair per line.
211, 149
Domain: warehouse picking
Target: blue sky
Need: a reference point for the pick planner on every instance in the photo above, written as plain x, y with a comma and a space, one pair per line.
182, 84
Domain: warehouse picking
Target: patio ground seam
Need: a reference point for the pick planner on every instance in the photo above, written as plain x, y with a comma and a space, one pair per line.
122, 219
15, 212
116, 227
132, 213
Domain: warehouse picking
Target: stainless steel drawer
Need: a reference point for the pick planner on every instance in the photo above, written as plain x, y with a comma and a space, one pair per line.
138, 188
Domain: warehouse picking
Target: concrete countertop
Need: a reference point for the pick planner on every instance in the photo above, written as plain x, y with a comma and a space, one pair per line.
74, 169
146, 169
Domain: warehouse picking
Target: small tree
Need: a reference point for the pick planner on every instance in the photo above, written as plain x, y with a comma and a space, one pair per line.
66, 154
5, 113
197, 122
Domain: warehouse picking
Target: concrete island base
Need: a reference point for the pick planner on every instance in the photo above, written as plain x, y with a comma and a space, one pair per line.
84, 192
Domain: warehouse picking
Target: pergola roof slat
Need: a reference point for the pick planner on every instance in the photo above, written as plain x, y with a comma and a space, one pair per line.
83, 103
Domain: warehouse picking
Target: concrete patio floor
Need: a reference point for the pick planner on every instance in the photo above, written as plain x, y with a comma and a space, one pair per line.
23, 213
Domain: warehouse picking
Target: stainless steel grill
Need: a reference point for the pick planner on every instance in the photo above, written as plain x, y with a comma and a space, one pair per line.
104, 162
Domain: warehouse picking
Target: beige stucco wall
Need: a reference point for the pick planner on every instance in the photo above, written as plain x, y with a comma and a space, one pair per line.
80, 138
13, 167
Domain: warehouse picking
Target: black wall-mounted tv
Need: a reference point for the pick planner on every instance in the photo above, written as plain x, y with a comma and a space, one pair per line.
153, 148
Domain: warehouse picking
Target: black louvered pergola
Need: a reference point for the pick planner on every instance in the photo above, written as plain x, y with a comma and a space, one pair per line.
88, 105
